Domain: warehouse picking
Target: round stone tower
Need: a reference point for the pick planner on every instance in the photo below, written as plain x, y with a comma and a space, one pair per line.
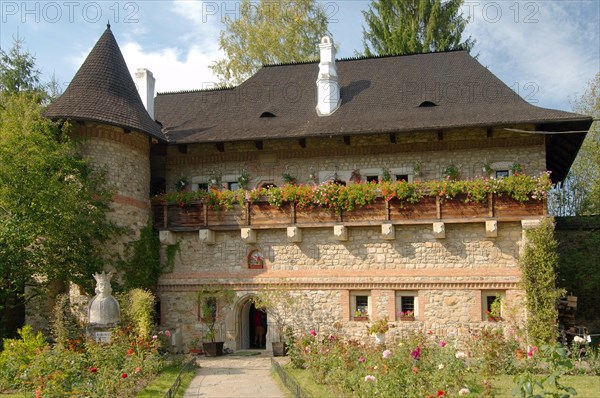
113, 129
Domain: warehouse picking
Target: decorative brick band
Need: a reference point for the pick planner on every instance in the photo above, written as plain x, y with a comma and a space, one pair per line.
133, 139
351, 286
127, 200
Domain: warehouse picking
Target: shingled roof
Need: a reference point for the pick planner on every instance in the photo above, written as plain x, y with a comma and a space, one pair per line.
103, 91
433, 91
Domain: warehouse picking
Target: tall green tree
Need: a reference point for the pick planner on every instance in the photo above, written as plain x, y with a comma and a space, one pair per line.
580, 193
267, 32
414, 26
52, 205
17, 69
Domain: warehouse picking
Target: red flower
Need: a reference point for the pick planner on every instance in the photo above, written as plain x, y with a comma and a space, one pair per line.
137, 370
313, 332
93, 369
441, 393
129, 352
123, 375
415, 370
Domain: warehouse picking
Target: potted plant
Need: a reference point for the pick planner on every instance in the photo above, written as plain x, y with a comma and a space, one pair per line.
209, 300
214, 181
244, 179
181, 184
287, 178
494, 314
451, 172
516, 168
487, 170
407, 316
361, 315
386, 175
417, 168
355, 177
194, 346
379, 328
279, 305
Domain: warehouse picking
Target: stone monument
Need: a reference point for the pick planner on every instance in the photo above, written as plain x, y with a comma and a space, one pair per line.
104, 311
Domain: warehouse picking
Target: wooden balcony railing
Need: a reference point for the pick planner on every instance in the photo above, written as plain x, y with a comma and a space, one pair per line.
261, 215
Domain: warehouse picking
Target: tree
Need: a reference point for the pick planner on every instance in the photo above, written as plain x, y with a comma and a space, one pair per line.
579, 194
52, 205
268, 32
414, 26
17, 69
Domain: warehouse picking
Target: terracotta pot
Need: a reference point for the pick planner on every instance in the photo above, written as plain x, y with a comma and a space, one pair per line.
360, 318
407, 318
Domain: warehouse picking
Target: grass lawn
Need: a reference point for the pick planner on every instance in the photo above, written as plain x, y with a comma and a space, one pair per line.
303, 378
165, 379
586, 386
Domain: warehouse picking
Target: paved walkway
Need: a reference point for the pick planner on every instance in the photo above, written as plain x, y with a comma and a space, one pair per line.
232, 377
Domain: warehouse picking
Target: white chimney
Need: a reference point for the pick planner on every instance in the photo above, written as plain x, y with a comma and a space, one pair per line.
328, 87
145, 84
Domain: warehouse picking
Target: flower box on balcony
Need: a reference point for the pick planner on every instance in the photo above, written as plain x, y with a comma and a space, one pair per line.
360, 318
492, 318
407, 318
308, 206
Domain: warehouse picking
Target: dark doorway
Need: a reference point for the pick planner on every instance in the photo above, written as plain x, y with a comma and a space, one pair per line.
258, 327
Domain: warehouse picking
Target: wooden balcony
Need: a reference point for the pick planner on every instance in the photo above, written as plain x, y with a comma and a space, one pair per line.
261, 215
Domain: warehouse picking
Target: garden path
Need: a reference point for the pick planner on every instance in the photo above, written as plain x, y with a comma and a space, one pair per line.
230, 376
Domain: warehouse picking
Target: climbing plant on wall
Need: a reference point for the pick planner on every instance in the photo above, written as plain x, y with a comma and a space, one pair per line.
142, 264
538, 266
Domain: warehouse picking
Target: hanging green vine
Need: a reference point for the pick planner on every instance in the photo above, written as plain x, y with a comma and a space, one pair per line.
538, 267
170, 252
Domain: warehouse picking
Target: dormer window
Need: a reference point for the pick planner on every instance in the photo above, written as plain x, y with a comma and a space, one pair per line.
427, 104
267, 114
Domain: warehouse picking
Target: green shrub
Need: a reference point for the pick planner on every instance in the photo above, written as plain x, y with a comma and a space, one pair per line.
17, 355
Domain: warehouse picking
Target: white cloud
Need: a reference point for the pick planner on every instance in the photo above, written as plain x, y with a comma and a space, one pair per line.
173, 72
544, 43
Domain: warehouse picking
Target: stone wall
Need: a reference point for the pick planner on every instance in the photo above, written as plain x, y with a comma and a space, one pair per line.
449, 275
469, 149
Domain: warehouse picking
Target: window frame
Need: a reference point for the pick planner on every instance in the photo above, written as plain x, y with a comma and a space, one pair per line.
398, 302
353, 307
486, 304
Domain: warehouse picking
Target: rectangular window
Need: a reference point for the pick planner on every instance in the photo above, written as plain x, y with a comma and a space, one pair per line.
491, 305
372, 178
402, 177
203, 186
502, 173
407, 304
360, 305
233, 186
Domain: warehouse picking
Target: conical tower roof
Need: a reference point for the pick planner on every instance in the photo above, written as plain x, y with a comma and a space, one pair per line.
103, 91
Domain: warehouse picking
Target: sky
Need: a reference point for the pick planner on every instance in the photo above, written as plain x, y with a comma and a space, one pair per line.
547, 51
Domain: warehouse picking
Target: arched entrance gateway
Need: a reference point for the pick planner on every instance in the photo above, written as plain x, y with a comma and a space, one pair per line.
252, 326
